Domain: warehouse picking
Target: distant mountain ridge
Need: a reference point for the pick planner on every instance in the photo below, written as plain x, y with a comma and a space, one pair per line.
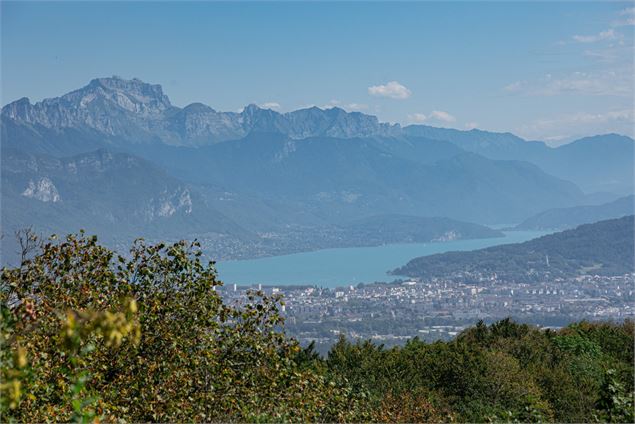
275, 180
345, 179
140, 112
601, 248
101, 190
563, 218
120, 197
131, 114
108, 104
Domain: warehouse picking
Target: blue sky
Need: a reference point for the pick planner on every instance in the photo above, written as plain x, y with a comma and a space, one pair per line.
543, 70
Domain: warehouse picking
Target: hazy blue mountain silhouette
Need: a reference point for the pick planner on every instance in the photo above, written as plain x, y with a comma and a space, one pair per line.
563, 218
258, 171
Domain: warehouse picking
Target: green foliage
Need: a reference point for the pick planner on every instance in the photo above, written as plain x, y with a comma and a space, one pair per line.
88, 335
577, 345
147, 338
615, 404
502, 372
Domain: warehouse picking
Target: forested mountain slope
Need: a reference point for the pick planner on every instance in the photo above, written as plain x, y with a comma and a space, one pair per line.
603, 248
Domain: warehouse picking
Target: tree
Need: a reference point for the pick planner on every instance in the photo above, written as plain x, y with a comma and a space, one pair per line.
90, 334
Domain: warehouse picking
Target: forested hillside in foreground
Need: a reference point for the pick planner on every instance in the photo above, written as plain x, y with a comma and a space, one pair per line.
88, 335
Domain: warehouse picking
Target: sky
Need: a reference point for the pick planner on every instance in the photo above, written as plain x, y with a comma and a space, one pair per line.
551, 71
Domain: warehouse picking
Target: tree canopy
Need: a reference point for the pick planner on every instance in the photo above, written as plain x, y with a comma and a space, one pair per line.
89, 335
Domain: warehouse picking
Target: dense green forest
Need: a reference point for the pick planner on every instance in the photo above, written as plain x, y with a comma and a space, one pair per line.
88, 335
603, 248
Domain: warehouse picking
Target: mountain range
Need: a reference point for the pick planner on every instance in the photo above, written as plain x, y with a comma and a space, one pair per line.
114, 112
117, 157
563, 218
131, 111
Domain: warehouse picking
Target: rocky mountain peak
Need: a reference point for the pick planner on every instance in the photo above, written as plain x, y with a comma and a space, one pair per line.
134, 111
18, 110
132, 95
252, 108
198, 108
113, 106
254, 118
137, 111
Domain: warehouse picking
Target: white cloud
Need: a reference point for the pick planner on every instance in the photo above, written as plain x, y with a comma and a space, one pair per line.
555, 140
440, 115
514, 87
609, 34
393, 90
348, 106
610, 55
270, 105
471, 125
627, 17
435, 115
579, 124
417, 117
610, 82
331, 104
357, 106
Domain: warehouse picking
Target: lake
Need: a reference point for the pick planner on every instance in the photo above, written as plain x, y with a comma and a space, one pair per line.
348, 266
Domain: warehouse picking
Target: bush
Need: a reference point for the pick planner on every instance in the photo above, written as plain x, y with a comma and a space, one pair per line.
90, 334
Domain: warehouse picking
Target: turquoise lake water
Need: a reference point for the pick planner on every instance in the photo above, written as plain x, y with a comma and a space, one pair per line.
347, 266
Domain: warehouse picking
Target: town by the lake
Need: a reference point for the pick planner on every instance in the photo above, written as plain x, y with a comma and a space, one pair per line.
439, 309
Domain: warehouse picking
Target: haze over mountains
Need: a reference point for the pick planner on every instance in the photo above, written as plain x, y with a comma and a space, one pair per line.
116, 157
563, 218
